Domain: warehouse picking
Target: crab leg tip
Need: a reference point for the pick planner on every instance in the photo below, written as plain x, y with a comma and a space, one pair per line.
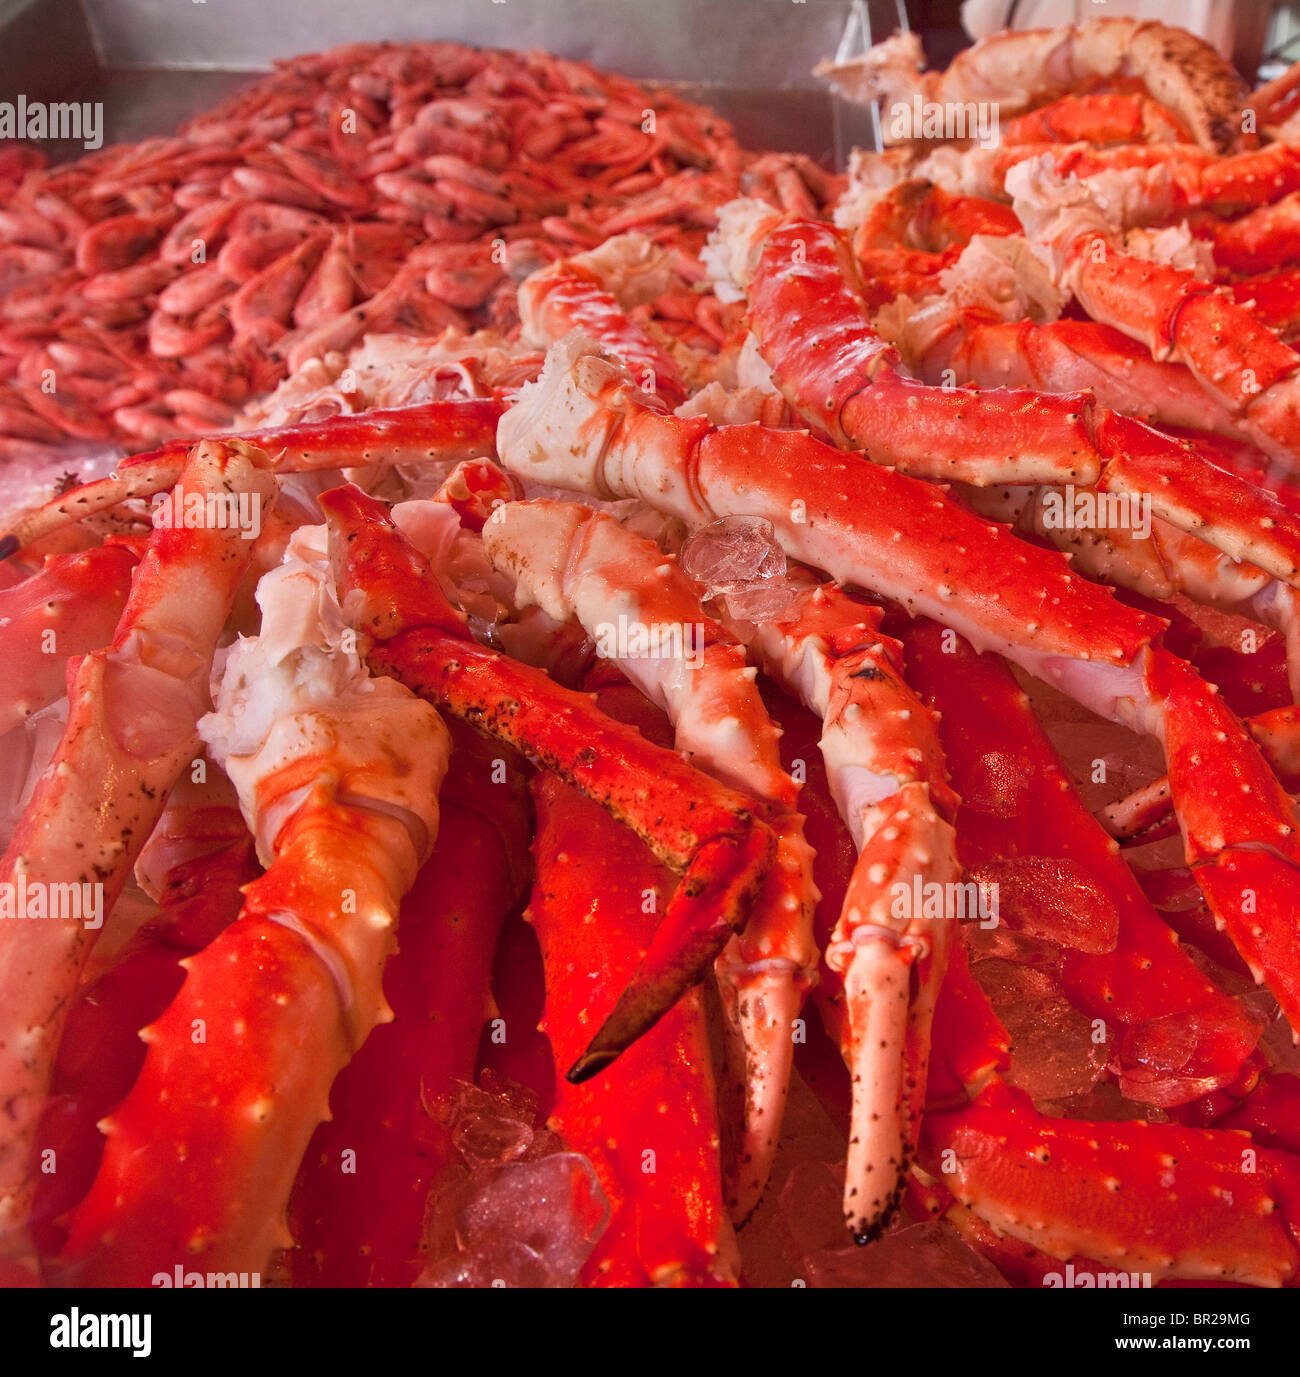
8, 546
589, 1065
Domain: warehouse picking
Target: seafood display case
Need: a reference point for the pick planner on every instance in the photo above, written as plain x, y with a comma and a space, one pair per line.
648, 645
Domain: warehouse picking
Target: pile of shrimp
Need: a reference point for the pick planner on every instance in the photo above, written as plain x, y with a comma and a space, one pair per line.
149, 290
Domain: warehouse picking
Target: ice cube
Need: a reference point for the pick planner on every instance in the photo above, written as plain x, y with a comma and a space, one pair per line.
553, 1206
731, 553
495, 1260
1053, 1053
1001, 943
490, 1137
527, 1223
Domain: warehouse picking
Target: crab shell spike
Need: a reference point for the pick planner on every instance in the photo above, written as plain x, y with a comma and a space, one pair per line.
707, 832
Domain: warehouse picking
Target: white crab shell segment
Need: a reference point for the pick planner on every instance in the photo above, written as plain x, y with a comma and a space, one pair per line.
299, 692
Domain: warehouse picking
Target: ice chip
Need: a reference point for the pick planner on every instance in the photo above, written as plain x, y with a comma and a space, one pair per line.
1053, 1051
1001, 943
729, 554
1054, 898
1009, 983
518, 1210
931, 1254
496, 1260
762, 602
553, 1206
490, 1139
490, 1126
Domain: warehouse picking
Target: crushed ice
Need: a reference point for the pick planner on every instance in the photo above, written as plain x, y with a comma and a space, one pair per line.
521, 1211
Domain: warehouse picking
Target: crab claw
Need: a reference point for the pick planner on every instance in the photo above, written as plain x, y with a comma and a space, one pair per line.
703, 830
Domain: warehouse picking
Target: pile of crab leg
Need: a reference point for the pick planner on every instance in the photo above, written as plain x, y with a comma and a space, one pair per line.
477, 730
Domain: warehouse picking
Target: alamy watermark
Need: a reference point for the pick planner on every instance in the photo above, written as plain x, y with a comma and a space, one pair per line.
945, 119
629, 639
964, 900
1084, 509
208, 511
218, 1281
1071, 1280
91, 1330
79, 120
78, 902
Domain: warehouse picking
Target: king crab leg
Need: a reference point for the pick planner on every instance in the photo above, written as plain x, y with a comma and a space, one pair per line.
583, 425
589, 292
1160, 1198
339, 776
575, 562
67, 608
1238, 361
445, 430
794, 271
1146, 813
195, 863
94, 808
1025, 819
887, 953
709, 836
1026, 69
669, 1226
